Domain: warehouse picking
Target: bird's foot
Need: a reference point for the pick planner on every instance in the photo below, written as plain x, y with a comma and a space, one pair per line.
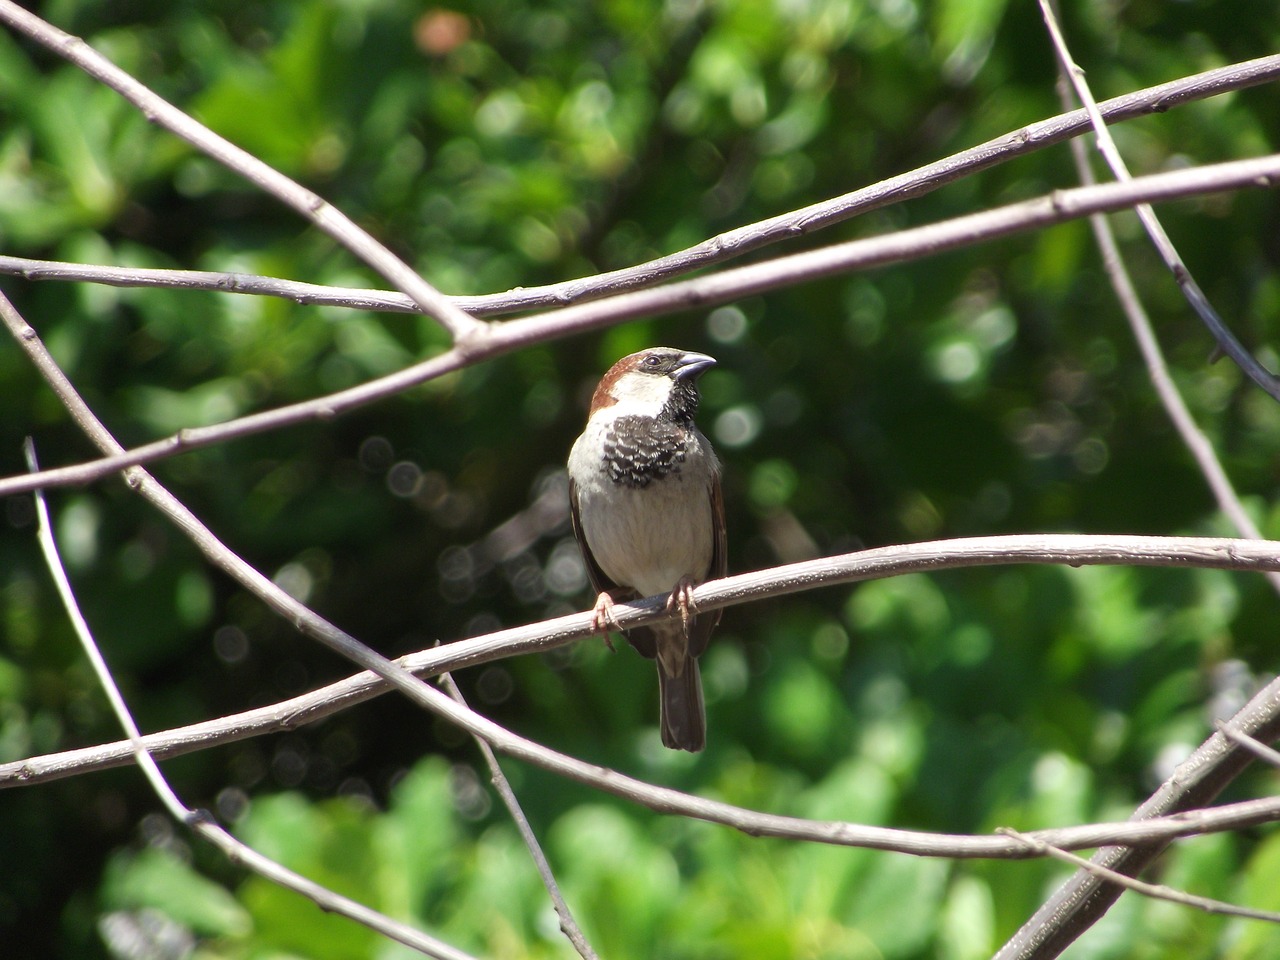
682, 599
603, 620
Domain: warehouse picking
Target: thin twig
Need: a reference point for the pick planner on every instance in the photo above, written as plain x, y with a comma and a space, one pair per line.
1157, 369
1252, 744
1208, 768
1078, 903
714, 250
461, 326
216, 281
200, 821
1193, 437
1158, 829
568, 926
1157, 891
717, 249
1075, 905
872, 564
701, 292
1226, 340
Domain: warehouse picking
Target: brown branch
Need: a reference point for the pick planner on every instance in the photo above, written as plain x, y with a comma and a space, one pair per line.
324, 215
568, 926
718, 249
1158, 829
1085, 897
1195, 783
1157, 891
200, 822
1226, 340
877, 563
1258, 749
1192, 436
1057, 207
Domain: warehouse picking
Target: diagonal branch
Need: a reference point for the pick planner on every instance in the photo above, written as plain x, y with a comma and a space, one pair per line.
1086, 896
1192, 436
872, 564
324, 215
198, 821
1259, 750
718, 249
1226, 340
1157, 891
568, 925
1196, 782
1158, 829
701, 292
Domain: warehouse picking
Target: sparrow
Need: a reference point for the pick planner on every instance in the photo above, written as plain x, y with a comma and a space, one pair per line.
644, 492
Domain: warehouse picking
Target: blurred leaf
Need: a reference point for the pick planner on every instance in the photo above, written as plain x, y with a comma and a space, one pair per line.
1259, 887
417, 840
154, 878
981, 391
967, 922
898, 901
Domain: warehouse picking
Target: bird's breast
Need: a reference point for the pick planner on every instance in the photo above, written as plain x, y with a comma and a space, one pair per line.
637, 451
644, 503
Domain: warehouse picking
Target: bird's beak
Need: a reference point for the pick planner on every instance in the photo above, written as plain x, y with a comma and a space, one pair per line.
690, 366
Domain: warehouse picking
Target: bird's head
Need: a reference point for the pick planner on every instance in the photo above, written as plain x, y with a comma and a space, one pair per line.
660, 382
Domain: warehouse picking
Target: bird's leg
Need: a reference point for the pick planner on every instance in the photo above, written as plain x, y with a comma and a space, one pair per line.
682, 598
603, 620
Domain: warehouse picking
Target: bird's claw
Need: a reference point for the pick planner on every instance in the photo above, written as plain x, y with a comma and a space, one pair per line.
603, 620
682, 599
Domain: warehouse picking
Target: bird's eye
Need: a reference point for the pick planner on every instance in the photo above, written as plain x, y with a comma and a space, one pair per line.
651, 361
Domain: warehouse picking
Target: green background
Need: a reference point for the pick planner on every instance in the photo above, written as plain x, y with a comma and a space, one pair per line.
502, 144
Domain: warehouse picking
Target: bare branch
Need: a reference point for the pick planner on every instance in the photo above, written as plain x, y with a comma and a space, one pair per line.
1195, 782
1157, 369
1257, 748
880, 562
1157, 829
1078, 904
1157, 891
701, 292
309, 294
1226, 340
568, 926
717, 249
325, 216
200, 821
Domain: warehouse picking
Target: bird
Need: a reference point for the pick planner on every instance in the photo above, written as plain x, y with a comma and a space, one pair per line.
648, 515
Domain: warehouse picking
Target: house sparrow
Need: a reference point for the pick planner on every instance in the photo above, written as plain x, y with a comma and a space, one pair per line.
644, 492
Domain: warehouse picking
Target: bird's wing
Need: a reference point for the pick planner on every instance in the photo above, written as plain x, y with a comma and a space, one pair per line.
599, 582
704, 623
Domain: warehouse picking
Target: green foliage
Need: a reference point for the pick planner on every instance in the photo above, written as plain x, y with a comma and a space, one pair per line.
154, 879
500, 144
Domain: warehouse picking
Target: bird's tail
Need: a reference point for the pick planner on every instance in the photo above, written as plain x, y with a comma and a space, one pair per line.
684, 720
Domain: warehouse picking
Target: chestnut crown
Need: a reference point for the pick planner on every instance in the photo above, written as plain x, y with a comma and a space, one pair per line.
658, 382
